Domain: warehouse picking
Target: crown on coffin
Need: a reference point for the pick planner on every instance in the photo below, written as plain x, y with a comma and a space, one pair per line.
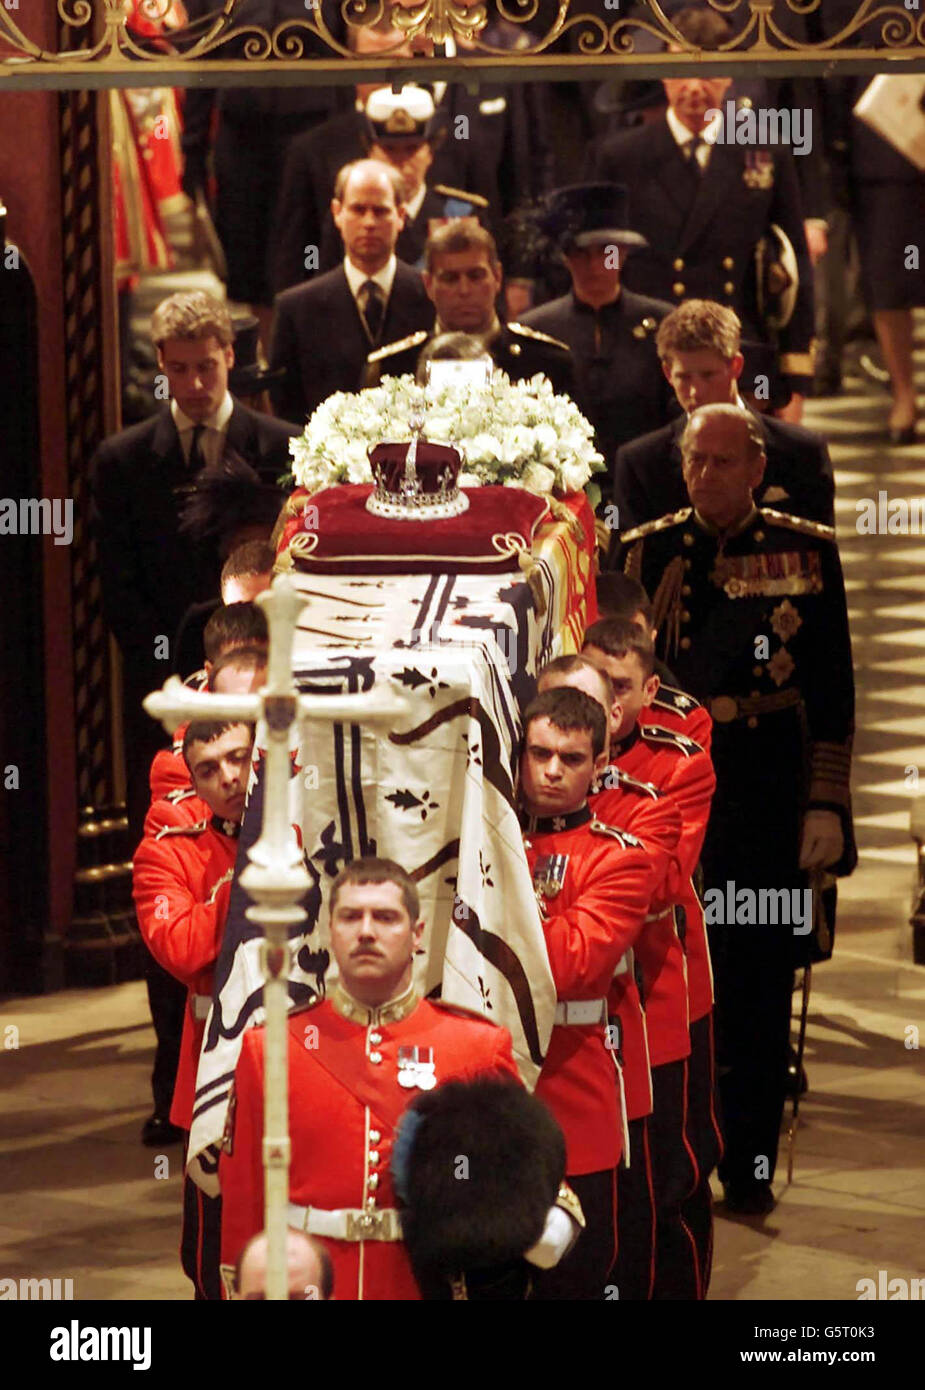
416, 481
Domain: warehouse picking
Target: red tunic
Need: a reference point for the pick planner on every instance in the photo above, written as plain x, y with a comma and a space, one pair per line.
344, 1106
590, 922
181, 884
683, 771
659, 1032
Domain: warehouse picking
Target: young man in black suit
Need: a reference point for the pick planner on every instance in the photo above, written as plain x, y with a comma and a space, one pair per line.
151, 572
699, 347
325, 329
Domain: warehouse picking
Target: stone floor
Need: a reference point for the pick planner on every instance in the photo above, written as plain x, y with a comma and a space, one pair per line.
85, 1201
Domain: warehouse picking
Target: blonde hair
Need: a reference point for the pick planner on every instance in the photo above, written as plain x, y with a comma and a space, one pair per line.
698, 324
190, 316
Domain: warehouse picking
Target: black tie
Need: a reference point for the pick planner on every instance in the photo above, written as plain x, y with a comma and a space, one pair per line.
690, 151
196, 460
372, 307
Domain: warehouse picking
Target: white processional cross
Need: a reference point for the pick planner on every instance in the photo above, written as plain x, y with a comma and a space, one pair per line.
276, 877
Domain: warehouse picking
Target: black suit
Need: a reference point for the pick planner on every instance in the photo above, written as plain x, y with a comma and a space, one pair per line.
321, 341
648, 483
150, 576
494, 145
703, 229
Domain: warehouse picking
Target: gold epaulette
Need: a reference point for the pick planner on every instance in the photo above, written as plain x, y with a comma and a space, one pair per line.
390, 349
197, 828
657, 733
660, 524
178, 794
798, 523
678, 700
475, 199
628, 841
226, 877
633, 784
526, 332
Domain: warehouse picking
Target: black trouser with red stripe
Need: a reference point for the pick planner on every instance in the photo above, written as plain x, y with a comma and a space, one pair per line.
675, 1176
584, 1272
201, 1238
634, 1268
705, 1138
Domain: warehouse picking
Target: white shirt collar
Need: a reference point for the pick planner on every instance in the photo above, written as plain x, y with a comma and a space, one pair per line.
218, 421
739, 402
684, 136
383, 278
417, 202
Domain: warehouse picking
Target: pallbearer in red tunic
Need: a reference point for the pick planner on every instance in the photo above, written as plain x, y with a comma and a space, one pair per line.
181, 882
356, 1060
685, 1136
593, 883
658, 961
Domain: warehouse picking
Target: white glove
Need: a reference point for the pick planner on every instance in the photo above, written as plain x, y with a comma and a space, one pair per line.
823, 840
559, 1235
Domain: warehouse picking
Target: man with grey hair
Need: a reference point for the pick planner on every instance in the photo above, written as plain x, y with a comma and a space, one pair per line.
750, 609
324, 329
152, 572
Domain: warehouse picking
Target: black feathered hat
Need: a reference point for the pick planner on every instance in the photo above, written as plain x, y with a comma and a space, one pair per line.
477, 1166
227, 498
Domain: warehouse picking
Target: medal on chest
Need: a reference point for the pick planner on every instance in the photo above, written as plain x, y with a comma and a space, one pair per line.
549, 877
416, 1068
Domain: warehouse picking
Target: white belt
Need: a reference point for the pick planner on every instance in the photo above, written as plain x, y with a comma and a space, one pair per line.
657, 916
347, 1223
201, 1003
581, 1012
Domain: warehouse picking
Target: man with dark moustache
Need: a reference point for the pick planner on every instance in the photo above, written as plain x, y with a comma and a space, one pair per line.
356, 1059
751, 613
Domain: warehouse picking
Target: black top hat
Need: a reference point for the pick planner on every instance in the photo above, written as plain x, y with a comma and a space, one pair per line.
584, 214
247, 377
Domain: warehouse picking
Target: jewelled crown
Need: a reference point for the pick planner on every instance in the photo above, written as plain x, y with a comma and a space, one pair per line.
416, 481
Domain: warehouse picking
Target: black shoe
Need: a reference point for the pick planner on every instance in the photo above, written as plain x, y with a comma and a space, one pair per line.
899, 435
749, 1199
157, 1132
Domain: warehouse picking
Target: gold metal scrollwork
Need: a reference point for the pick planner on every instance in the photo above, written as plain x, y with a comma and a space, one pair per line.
99, 43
